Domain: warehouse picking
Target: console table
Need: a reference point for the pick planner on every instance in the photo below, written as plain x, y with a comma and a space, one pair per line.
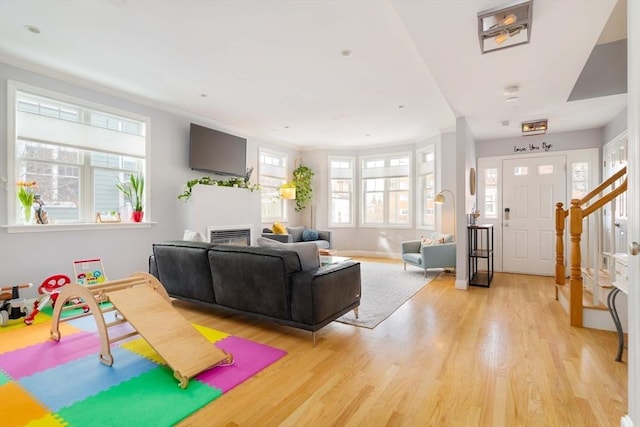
620, 284
480, 247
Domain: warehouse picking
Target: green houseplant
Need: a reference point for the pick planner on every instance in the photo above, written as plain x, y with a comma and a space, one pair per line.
134, 193
302, 180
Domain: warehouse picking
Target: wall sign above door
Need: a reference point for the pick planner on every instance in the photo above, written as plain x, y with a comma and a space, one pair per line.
532, 147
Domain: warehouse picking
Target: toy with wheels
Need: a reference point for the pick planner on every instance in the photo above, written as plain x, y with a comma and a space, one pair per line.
49, 289
11, 305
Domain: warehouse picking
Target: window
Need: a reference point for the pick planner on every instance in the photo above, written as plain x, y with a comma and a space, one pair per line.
491, 193
341, 176
579, 179
76, 152
272, 174
426, 167
385, 190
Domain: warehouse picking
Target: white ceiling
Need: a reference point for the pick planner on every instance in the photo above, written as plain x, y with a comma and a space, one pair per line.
274, 70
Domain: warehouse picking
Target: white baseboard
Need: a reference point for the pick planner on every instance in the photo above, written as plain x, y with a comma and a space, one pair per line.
626, 421
462, 285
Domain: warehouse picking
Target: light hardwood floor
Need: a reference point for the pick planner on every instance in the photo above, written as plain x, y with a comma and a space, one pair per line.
503, 356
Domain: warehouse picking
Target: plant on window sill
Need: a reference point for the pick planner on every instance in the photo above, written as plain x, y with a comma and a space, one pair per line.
134, 192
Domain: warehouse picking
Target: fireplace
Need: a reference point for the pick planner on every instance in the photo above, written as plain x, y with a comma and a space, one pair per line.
235, 236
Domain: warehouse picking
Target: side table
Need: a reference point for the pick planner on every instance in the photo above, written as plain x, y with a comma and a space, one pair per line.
480, 247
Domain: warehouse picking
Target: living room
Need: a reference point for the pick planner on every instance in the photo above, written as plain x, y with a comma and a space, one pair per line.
31, 255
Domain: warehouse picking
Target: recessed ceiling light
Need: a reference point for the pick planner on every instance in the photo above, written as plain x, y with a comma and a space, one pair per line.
346, 52
511, 99
203, 95
505, 123
286, 127
32, 29
400, 107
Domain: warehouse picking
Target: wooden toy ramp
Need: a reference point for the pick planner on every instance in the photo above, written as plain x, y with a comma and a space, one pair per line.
142, 301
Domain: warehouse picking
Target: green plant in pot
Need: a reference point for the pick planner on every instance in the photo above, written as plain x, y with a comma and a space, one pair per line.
302, 180
133, 191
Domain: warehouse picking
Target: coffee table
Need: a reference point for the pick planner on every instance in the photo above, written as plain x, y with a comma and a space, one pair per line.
332, 259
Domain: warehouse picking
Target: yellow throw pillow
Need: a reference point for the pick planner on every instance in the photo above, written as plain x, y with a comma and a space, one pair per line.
278, 228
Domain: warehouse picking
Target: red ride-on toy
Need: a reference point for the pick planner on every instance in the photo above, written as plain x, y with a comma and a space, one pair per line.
11, 305
50, 289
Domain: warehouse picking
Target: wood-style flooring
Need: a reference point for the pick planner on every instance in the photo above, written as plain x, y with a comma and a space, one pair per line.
502, 356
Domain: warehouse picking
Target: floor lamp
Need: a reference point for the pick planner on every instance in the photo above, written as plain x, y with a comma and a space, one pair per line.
439, 200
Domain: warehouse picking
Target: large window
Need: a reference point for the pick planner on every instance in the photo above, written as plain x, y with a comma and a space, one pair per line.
272, 174
341, 175
385, 190
426, 171
76, 152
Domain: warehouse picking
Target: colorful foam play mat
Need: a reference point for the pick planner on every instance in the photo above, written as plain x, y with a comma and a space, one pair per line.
63, 383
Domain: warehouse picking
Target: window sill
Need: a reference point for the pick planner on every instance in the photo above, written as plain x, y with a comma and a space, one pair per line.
43, 228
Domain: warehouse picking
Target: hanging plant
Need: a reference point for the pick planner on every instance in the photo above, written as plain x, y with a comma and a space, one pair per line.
302, 180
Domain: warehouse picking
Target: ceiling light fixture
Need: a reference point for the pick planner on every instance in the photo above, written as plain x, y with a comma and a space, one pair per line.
506, 26
511, 90
536, 127
511, 99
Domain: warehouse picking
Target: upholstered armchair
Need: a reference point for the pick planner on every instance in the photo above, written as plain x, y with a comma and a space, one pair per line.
439, 255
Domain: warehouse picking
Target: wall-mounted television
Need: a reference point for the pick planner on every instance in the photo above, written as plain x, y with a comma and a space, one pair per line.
217, 152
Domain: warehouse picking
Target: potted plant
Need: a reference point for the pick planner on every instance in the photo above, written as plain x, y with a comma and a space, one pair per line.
134, 192
302, 180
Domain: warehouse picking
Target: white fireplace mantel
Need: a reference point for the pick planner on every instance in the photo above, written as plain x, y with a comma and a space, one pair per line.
214, 207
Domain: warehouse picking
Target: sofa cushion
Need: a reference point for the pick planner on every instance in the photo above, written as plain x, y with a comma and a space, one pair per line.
296, 232
307, 251
309, 235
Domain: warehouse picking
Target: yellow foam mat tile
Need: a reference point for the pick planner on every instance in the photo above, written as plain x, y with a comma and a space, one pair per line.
30, 335
19, 323
49, 420
211, 334
22, 408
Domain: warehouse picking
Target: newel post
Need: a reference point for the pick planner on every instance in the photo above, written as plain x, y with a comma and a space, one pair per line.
575, 259
560, 215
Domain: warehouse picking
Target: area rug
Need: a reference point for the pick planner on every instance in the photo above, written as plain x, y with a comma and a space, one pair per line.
385, 288
49, 383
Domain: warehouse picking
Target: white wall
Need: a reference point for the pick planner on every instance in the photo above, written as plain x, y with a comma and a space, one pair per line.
561, 141
33, 256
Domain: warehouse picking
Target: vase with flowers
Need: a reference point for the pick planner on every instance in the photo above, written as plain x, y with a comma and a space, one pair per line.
26, 195
134, 192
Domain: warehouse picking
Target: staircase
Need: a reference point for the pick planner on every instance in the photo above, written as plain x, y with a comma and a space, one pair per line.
590, 277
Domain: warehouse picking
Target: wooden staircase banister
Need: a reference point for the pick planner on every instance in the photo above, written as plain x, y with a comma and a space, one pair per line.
576, 215
613, 178
605, 199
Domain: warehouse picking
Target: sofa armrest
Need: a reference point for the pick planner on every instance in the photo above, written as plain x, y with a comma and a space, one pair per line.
325, 235
322, 295
411, 247
283, 238
439, 256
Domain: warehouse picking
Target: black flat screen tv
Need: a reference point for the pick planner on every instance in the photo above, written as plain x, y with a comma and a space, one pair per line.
217, 152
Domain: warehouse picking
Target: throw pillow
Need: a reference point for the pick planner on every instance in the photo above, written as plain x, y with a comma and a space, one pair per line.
309, 235
430, 242
296, 232
193, 236
279, 228
307, 251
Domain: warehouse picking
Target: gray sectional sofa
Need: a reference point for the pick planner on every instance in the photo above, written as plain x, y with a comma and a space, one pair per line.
262, 282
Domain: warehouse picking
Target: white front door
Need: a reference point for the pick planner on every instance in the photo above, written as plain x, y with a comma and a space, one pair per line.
531, 186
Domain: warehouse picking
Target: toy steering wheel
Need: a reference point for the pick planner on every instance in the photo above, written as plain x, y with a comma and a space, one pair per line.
52, 284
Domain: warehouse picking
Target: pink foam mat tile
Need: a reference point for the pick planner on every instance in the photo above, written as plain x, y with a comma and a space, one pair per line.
39, 357
249, 358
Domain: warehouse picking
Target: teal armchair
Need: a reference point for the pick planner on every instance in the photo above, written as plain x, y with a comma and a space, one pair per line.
426, 257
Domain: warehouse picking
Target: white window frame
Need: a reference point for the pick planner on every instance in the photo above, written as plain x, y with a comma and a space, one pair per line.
87, 216
274, 173
350, 175
423, 169
386, 171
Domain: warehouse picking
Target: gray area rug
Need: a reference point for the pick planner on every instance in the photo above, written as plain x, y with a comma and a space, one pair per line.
385, 287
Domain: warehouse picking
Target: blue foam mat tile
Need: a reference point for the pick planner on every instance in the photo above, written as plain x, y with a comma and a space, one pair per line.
87, 377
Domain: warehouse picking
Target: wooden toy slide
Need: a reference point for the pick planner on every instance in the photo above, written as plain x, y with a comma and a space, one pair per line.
142, 301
